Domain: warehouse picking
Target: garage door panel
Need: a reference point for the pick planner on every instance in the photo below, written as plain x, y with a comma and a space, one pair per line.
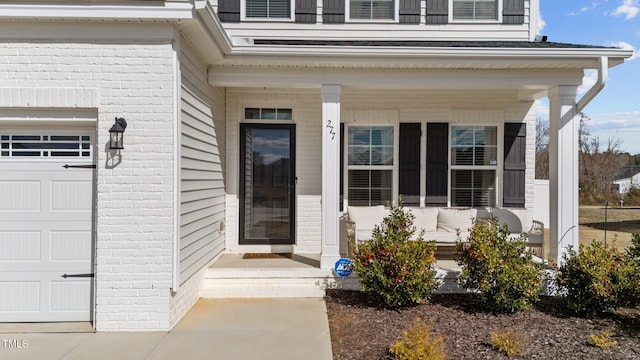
20, 196
70, 196
46, 231
19, 246
41, 296
54, 250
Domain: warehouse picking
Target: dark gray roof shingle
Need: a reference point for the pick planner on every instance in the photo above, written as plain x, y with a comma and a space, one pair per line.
427, 44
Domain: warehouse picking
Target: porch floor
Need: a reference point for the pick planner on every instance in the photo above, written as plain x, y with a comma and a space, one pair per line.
297, 261
233, 276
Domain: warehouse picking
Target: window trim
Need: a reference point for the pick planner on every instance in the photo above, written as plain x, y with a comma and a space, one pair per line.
394, 168
243, 14
395, 20
498, 20
497, 168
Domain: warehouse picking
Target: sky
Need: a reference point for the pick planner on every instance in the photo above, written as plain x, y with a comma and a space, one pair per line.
615, 112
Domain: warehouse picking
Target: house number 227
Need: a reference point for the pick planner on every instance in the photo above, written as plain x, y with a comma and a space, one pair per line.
331, 129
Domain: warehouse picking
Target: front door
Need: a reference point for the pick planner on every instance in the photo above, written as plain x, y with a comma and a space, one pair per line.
267, 184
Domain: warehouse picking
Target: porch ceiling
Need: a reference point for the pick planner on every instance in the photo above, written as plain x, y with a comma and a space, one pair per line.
530, 83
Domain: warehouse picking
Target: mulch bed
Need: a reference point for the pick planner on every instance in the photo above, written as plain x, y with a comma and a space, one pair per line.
360, 330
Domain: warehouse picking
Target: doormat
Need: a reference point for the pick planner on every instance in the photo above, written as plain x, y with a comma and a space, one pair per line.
267, 256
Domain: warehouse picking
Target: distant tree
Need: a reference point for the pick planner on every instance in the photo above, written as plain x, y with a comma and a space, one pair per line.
599, 165
542, 148
633, 159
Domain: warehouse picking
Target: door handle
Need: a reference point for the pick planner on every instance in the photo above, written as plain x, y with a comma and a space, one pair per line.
77, 275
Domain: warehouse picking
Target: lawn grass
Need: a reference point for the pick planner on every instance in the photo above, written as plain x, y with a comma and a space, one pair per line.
621, 224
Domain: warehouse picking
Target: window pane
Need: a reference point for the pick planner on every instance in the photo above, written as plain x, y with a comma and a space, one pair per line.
474, 188
487, 135
359, 135
252, 113
359, 155
370, 187
462, 135
462, 156
284, 114
372, 9
475, 10
370, 145
268, 8
382, 155
486, 156
268, 114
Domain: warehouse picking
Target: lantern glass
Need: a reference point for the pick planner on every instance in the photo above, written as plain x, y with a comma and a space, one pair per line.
115, 141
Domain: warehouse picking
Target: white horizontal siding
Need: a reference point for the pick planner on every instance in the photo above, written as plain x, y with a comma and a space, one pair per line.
202, 196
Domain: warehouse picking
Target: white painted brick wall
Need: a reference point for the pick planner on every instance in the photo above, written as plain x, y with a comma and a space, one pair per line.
461, 107
135, 197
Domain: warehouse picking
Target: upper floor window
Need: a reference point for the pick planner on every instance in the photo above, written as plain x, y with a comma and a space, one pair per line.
372, 9
475, 9
268, 9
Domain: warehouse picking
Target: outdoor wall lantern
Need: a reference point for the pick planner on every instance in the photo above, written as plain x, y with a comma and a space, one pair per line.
116, 134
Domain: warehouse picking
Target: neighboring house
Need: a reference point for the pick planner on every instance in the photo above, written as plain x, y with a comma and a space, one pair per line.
251, 125
629, 177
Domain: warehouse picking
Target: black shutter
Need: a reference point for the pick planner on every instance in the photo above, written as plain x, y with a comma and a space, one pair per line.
437, 12
333, 11
515, 151
341, 166
410, 11
409, 167
229, 10
306, 11
437, 165
513, 12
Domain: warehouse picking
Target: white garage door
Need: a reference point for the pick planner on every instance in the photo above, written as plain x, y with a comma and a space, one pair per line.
46, 245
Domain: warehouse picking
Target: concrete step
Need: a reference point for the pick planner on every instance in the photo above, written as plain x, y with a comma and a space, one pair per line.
272, 283
287, 282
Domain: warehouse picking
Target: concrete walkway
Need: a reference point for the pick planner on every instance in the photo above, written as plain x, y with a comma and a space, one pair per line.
213, 329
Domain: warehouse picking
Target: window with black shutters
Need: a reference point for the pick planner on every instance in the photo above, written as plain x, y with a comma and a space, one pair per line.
372, 9
476, 10
268, 9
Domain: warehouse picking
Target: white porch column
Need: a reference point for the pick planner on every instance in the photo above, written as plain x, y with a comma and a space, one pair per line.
563, 171
330, 175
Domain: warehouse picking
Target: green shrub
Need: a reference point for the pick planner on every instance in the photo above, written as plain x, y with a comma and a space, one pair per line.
395, 270
596, 279
502, 270
631, 290
417, 343
507, 342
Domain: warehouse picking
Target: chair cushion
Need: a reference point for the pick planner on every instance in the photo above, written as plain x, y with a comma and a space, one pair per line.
451, 220
366, 218
517, 220
444, 237
425, 219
